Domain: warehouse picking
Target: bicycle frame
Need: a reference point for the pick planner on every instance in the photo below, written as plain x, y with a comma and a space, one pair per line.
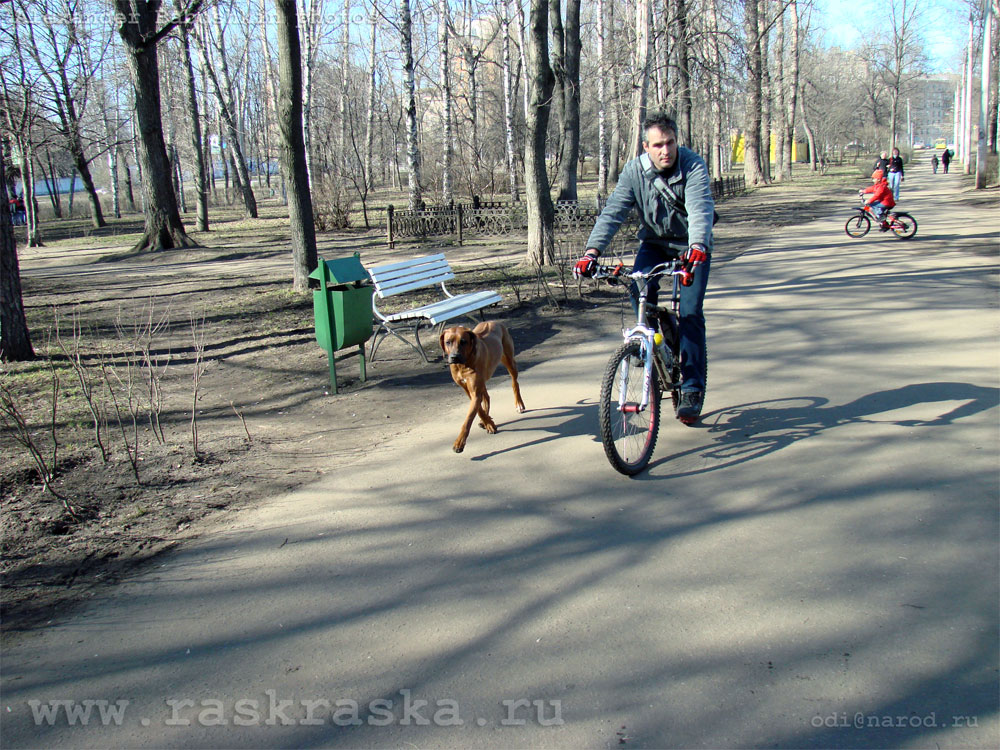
642, 333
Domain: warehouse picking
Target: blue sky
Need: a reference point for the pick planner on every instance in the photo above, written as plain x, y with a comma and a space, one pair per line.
945, 26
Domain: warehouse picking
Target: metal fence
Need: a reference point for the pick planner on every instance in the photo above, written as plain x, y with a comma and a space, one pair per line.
501, 219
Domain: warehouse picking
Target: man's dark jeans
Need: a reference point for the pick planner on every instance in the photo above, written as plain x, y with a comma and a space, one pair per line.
694, 353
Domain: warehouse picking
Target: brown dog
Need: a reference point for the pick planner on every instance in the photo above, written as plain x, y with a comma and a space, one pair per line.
473, 357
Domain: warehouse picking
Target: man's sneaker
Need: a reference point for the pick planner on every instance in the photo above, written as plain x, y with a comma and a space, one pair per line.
689, 406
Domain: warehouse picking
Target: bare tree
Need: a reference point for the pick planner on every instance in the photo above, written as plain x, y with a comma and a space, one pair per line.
752, 168
536, 179
139, 30
446, 97
304, 256
570, 91
508, 103
898, 57
217, 68
191, 99
57, 37
15, 340
410, 99
984, 97
643, 53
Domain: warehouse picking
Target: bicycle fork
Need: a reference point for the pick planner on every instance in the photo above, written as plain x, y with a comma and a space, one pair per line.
645, 337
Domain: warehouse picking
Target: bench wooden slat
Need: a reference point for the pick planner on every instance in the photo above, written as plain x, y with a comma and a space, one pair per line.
404, 264
438, 312
409, 283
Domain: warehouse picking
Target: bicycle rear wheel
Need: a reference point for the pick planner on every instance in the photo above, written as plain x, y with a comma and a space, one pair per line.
628, 434
858, 226
903, 225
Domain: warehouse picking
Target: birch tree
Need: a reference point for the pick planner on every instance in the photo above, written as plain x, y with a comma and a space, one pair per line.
643, 53
446, 97
410, 105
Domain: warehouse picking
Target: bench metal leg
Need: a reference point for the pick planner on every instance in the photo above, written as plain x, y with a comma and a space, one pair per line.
386, 331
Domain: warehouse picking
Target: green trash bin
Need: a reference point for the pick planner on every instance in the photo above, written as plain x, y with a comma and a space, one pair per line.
342, 306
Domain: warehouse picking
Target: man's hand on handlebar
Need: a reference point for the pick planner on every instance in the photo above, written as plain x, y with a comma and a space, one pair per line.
585, 267
694, 256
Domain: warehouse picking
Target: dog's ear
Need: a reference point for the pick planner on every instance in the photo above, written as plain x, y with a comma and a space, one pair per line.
441, 341
471, 338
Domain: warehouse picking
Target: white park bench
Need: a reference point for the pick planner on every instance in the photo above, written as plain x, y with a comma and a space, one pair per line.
391, 279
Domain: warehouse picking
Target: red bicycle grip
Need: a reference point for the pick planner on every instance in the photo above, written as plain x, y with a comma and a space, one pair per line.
687, 278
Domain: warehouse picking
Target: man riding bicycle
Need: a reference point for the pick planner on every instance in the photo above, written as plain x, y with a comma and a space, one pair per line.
669, 186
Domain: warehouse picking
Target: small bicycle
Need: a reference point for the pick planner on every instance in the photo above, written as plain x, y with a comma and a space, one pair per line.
899, 223
644, 366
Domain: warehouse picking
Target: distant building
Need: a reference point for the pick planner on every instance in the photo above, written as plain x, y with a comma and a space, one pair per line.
932, 105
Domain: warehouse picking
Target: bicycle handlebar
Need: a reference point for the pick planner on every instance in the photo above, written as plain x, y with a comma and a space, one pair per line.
670, 268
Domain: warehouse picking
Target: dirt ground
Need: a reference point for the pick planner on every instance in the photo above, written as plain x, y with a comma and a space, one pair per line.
266, 420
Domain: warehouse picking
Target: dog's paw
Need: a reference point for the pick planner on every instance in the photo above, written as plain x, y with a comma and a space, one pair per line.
459, 446
519, 408
490, 427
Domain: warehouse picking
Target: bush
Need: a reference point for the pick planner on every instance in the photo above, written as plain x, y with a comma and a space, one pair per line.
332, 203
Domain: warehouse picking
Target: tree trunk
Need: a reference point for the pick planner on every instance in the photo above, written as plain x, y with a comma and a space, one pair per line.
764, 36
602, 106
410, 97
15, 340
541, 241
751, 128
370, 128
446, 194
508, 105
984, 99
570, 141
781, 166
345, 72
293, 152
643, 48
793, 87
809, 133
52, 181
197, 146
557, 58
683, 76
715, 78
163, 226
227, 113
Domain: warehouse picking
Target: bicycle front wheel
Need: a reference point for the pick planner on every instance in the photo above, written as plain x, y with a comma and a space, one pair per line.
628, 434
903, 225
858, 226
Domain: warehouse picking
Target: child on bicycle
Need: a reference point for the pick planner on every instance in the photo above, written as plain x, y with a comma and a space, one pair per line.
881, 198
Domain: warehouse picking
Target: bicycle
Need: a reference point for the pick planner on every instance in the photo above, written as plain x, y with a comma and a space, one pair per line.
900, 223
646, 364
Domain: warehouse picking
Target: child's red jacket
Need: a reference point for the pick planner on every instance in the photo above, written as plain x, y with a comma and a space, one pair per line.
881, 193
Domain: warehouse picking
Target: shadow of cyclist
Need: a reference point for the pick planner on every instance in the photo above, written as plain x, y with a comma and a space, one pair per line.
749, 431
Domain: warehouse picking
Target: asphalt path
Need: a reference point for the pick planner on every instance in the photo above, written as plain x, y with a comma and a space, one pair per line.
814, 565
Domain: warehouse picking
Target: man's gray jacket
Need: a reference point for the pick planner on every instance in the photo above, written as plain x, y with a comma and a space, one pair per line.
657, 220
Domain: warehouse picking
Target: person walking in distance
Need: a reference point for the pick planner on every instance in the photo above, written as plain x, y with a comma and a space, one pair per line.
895, 174
945, 160
934, 163
669, 186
